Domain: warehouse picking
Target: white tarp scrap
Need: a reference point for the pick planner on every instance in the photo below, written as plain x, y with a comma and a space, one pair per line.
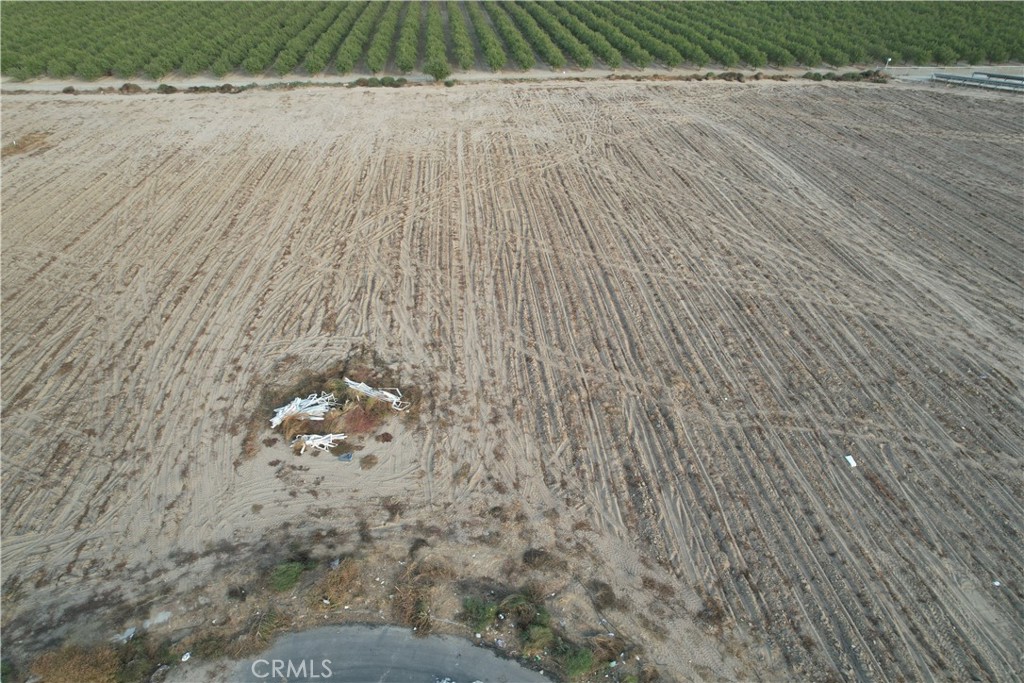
389, 395
312, 407
322, 442
849, 459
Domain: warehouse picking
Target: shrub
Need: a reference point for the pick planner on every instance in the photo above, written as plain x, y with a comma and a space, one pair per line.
449, 83
537, 639
576, 661
478, 613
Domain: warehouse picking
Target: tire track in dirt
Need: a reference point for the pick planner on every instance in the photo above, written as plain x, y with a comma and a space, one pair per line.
668, 311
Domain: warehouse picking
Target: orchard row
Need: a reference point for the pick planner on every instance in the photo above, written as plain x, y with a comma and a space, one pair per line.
90, 40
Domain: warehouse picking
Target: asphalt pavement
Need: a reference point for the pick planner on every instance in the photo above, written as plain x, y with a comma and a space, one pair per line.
384, 654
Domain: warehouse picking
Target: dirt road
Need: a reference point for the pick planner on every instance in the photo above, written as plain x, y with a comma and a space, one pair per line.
657, 316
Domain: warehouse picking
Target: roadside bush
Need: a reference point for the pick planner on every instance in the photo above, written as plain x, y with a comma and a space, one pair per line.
537, 639
575, 661
478, 613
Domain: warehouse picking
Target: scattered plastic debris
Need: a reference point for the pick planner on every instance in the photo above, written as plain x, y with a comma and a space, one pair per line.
321, 442
389, 395
187, 656
128, 634
160, 618
849, 459
312, 407
996, 584
345, 457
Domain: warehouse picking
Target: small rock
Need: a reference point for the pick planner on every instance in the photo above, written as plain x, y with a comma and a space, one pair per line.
160, 674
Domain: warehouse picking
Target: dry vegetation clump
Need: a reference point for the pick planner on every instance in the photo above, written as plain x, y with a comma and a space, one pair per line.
297, 425
662, 590
364, 417
543, 560
411, 605
712, 614
341, 583
394, 507
603, 596
77, 664
367, 462
261, 626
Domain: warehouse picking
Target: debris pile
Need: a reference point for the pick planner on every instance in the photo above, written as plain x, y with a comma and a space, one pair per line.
312, 407
389, 395
321, 442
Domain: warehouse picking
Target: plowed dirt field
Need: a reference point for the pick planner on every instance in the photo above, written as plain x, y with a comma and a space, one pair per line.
656, 316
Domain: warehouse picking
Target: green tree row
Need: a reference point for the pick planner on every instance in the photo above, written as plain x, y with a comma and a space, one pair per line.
126, 39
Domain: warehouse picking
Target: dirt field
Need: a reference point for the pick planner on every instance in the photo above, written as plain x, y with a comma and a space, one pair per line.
655, 318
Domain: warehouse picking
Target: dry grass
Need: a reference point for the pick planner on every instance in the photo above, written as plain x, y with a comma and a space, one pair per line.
603, 596
608, 648
542, 560
75, 664
258, 631
662, 590
367, 462
394, 507
411, 605
364, 418
341, 583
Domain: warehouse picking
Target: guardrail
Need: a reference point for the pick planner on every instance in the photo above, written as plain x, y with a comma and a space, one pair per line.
1005, 77
991, 83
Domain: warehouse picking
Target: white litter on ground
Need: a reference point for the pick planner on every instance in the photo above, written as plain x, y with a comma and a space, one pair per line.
321, 442
389, 395
849, 459
312, 407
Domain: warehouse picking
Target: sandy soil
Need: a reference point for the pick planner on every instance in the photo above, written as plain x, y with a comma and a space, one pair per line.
653, 317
